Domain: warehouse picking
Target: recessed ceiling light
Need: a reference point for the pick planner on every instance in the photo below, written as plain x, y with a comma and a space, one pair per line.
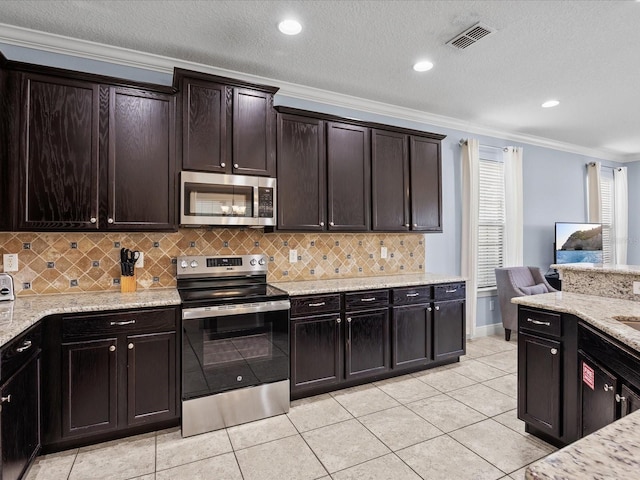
423, 66
550, 103
290, 27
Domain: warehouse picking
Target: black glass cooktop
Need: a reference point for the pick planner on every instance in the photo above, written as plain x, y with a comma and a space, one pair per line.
202, 292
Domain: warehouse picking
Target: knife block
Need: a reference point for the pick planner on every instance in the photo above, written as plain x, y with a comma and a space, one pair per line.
128, 284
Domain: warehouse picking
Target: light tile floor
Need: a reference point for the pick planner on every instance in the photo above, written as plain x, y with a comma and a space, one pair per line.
453, 422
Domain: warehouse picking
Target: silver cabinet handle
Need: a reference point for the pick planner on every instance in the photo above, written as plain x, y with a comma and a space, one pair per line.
554, 351
223, 164
538, 322
437, 307
322, 224
112, 348
370, 299
415, 224
235, 165
26, 345
331, 223
6, 399
413, 294
607, 387
319, 304
93, 220
109, 220
620, 398
348, 319
126, 322
451, 291
338, 320
130, 346
429, 309
406, 225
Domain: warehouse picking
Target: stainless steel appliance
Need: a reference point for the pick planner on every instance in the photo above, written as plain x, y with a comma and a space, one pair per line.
6, 287
235, 342
216, 199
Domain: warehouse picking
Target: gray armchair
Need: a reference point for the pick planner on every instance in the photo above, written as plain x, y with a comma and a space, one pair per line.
517, 282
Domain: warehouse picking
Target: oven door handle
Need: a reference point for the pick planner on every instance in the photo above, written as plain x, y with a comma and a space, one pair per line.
236, 309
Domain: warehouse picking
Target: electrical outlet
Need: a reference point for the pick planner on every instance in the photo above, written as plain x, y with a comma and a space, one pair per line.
293, 255
140, 261
383, 252
10, 262
636, 288
492, 305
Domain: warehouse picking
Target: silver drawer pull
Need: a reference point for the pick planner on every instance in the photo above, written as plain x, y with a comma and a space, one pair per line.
607, 387
126, 322
451, 291
338, 320
319, 304
370, 299
554, 351
538, 322
413, 294
6, 399
26, 345
620, 398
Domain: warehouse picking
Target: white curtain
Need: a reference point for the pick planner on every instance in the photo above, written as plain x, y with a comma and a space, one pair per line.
594, 202
620, 214
513, 245
469, 254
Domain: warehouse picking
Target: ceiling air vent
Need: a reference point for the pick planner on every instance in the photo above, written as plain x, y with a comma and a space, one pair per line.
470, 36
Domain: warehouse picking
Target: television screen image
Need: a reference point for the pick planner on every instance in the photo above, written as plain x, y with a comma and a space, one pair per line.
578, 243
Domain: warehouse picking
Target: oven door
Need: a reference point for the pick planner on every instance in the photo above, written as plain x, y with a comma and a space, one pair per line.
233, 346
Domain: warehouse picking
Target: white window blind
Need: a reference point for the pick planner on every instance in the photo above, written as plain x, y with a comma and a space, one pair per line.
607, 206
491, 224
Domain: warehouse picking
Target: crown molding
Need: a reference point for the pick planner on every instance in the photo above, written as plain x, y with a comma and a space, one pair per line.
59, 44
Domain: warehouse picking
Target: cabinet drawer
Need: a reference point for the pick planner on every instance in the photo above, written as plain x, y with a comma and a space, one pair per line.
18, 351
363, 300
404, 296
98, 325
449, 291
538, 321
301, 306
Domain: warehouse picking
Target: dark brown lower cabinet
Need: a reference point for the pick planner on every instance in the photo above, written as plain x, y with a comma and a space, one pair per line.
597, 395
315, 351
367, 343
448, 329
629, 401
411, 336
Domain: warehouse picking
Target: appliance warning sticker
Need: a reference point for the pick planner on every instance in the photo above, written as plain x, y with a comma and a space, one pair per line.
588, 375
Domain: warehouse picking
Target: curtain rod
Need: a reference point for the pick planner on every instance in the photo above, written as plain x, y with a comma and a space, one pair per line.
593, 164
464, 142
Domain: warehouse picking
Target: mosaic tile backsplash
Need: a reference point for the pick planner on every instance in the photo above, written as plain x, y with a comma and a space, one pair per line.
89, 262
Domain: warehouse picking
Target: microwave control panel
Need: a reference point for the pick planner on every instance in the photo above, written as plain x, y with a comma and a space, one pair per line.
265, 202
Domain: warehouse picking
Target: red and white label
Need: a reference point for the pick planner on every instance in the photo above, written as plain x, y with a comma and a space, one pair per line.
588, 376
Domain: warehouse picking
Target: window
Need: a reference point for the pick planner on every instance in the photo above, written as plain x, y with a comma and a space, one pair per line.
491, 221
607, 209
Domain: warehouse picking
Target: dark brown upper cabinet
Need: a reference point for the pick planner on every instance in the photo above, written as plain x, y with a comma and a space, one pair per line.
141, 156
89, 152
301, 173
226, 126
426, 184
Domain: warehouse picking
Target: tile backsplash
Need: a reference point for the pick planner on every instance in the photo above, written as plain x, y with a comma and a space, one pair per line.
77, 262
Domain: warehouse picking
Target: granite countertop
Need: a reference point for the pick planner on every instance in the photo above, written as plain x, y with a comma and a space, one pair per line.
613, 451
597, 311
310, 287
599, 267
20, 314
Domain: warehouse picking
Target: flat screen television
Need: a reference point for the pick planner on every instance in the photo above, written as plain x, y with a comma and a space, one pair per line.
578, 242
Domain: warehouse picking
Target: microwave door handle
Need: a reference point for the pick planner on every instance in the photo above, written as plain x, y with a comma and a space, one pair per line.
255, 202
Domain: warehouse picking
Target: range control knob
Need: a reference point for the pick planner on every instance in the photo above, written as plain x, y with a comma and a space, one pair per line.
184, 264
262, 261
194, 264
253, 262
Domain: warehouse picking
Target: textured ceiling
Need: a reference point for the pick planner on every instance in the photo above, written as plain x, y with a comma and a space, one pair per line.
583, 53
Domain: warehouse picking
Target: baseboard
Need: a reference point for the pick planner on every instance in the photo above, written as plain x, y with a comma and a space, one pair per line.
486, 330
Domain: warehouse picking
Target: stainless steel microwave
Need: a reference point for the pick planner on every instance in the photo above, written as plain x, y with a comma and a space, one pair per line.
217, 199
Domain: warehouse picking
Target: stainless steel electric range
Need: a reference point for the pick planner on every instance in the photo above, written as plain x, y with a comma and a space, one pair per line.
235, 342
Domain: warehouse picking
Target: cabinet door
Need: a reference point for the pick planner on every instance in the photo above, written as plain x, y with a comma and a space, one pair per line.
315, 351
449, 333
598, 389
151, 378
630, 401
254, 142
301, 173
367, 343
206, 116
58, 187
411, 336
141, 160
20, 420
89, 392
390, 181
348, 172
540, 383
426, 185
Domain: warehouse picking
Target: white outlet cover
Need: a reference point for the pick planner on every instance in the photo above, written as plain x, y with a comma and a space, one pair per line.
636, 288
293, 255
10, 262
383, 252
